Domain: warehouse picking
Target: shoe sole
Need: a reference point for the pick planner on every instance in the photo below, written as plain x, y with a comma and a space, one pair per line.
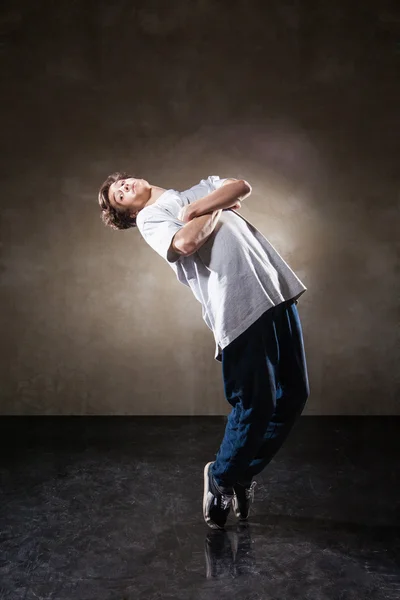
209, 522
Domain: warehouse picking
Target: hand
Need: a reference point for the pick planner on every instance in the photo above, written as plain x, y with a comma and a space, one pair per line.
186, 214
237, 205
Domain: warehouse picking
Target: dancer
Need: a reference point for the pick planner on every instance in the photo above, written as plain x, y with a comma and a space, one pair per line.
248, 295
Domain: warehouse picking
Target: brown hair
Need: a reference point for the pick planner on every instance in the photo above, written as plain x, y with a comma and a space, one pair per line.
116, 219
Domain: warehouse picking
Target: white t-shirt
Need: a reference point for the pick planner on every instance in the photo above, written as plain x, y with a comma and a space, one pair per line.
236, 275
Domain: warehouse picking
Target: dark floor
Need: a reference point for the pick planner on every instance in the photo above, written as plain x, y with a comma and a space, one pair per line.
111, 508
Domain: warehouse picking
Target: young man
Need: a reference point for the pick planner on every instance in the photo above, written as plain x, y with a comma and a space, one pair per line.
248, 294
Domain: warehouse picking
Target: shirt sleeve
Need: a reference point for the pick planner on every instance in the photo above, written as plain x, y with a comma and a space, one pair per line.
205, 187
158, 229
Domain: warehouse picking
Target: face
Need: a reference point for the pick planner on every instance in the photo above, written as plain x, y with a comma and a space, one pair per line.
129, 194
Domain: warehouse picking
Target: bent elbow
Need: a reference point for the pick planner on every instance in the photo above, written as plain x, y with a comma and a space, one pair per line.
247, 189
189, 249
178, 244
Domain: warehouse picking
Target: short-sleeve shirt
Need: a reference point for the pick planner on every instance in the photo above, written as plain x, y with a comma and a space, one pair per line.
236, 275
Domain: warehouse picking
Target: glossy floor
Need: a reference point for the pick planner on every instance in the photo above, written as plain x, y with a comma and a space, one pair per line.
110, 508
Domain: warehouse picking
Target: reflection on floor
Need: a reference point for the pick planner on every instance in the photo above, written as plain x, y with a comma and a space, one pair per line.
110, 508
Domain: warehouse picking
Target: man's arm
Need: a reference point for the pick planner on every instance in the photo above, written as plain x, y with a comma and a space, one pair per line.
195, 233
206, 214
224, 197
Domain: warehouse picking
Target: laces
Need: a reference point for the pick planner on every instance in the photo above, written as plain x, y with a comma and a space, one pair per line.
250, 491
226, 501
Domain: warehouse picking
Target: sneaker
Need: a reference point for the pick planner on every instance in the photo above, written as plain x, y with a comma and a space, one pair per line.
242, 499
216, 501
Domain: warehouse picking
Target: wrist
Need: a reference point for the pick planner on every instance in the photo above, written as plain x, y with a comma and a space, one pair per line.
194, 210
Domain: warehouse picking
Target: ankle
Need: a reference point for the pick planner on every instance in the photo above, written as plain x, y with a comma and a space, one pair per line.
222, 489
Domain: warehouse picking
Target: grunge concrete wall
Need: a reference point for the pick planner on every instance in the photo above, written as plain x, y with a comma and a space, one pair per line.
300, 98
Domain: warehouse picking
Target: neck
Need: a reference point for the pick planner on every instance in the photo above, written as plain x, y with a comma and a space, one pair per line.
155, 193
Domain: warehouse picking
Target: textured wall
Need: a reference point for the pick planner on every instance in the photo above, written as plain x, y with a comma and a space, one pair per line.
300, 98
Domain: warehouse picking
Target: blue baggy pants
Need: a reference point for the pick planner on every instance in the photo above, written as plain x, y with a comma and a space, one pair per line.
266, 382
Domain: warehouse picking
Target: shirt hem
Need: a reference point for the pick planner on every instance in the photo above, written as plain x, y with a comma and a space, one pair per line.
250, 320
